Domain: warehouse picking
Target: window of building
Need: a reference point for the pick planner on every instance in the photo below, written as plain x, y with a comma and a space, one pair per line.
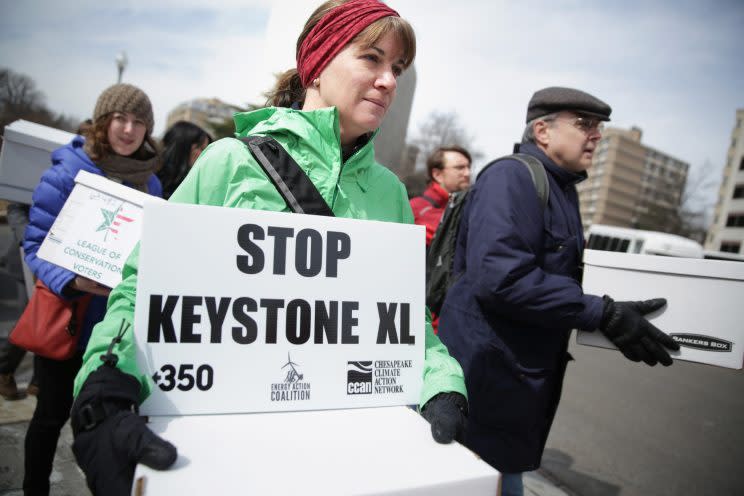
739, 191
735, 220
741, 164
731, 246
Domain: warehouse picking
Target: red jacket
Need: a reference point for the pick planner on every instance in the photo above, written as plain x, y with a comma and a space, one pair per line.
429, 208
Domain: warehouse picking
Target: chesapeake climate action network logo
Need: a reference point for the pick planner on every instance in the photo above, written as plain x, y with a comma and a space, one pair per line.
293, 387
376, 377
359, 377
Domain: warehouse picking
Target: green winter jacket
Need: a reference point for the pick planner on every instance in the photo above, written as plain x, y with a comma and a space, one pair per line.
227, 175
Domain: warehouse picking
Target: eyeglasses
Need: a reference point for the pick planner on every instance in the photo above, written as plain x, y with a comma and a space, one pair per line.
585, 124
459, 168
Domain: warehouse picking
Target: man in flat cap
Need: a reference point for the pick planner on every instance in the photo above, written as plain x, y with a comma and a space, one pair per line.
517, 295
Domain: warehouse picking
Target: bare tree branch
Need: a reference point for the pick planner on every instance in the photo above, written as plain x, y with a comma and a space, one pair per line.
19, 99
443, 129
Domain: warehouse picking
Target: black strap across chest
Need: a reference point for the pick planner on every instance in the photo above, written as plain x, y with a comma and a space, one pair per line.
431, 200
297, 190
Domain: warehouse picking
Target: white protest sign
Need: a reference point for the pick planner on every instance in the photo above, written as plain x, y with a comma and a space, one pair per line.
250, 311
96, 230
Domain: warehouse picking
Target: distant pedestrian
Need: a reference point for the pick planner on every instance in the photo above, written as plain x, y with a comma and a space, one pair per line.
10, 354
118, 146
182, 145
517, 295
448, 168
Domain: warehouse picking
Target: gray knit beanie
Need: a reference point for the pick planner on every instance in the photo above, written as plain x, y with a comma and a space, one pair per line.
125, 98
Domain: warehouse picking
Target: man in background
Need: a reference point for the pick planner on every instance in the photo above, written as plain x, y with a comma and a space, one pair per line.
517, 294
448, 169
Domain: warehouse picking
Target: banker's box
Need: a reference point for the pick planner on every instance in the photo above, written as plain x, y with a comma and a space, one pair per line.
25, 156
370, 451
705, 301
97, 228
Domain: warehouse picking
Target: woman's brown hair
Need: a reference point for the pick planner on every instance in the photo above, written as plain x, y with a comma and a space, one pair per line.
97, 145
288, 88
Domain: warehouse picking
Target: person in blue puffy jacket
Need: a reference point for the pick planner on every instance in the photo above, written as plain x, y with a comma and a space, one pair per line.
119, 147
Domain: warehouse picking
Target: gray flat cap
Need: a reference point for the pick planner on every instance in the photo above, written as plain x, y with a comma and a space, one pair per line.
554, 99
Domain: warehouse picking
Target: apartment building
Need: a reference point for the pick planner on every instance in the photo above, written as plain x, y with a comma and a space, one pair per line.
632, 184
727, 231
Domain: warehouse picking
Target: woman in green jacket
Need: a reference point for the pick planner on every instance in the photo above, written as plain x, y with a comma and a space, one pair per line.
325, 114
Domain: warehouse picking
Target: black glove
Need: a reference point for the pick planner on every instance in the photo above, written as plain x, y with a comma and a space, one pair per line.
446, 412
638, 339
110, 438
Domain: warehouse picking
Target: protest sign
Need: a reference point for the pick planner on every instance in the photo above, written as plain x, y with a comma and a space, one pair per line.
96, 230
250, 311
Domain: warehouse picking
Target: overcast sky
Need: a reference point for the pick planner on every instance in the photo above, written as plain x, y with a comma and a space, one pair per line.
674, 68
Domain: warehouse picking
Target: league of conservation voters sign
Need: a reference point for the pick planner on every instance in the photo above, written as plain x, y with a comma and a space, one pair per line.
251, 311
97, 228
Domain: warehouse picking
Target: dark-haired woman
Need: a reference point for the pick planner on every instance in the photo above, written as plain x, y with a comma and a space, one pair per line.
325, 114
182, 145
118, 146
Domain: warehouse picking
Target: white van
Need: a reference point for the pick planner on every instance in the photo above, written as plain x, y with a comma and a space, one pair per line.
626, 240
723, 255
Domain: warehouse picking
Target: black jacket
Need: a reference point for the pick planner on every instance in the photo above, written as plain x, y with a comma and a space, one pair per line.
508, 317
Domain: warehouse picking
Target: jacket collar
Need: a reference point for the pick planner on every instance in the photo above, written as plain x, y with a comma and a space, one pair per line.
74, 150
313, 139
437, 193
562, 176
319, 129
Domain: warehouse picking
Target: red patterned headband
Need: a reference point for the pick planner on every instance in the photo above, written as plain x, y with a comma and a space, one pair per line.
333, 32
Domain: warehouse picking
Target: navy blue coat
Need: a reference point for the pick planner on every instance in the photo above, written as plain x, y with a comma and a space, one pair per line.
49, 196
508, 317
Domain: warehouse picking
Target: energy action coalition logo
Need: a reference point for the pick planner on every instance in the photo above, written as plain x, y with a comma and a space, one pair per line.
702, 342
292, 388
359, 377
113, 221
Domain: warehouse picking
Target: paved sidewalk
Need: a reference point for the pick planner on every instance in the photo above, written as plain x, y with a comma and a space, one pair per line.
66, 479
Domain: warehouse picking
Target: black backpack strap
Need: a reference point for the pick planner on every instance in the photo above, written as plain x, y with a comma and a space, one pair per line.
290, 180
536, 170
432, 201
539, 176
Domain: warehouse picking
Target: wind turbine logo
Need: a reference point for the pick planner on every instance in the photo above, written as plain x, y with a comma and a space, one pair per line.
292, 374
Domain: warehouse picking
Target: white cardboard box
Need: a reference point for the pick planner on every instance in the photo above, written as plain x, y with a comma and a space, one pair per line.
335, 452
25, 156
97, 228
705, 301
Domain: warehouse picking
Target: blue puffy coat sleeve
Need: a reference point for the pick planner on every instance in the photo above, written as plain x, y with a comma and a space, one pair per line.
48, 199
512, 274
